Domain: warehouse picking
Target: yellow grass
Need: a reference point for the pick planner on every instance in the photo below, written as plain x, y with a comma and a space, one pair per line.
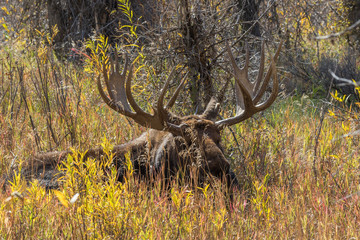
283, 195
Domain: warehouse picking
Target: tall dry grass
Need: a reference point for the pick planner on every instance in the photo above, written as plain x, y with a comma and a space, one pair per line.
46, 105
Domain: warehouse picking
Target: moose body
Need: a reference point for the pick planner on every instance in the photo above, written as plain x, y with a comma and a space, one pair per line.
173, 144
198, 153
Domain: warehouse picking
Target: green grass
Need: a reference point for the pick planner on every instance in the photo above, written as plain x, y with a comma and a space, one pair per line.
272, 155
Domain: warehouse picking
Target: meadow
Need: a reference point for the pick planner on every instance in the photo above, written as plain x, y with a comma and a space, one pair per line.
297, 164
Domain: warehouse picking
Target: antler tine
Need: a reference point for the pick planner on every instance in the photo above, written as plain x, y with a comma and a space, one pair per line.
107, 80
117, 67
245, 99
274, 92
130, 97
241, 74
160, 103
111, 65
261, 67
126, 65
172, 100
267, 76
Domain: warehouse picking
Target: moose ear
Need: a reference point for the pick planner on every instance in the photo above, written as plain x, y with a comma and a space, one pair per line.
211, 111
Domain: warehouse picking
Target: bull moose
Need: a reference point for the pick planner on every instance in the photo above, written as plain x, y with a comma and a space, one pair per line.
172, 143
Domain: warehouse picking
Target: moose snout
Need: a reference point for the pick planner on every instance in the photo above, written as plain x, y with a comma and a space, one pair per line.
215, 160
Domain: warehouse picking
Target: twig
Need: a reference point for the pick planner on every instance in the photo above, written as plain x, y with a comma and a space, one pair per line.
318, 130
344, 80
23, 95
245, 33
333, 35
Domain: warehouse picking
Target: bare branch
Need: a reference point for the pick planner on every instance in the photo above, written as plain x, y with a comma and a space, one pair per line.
333, 35
345, 81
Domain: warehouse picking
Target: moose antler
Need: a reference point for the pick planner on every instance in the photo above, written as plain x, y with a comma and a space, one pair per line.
121, 99
248, 93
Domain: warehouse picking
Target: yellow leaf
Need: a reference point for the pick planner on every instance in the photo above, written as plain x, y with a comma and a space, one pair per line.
337, 98
61, 197
5, 10
5, 27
